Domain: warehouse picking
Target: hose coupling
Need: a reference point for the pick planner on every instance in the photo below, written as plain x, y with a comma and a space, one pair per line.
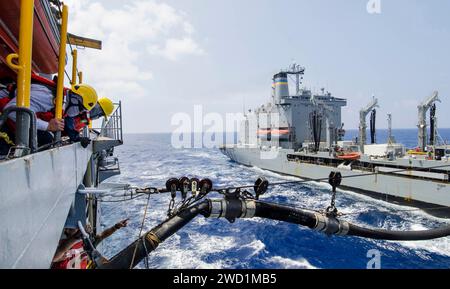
331, 226
231, 209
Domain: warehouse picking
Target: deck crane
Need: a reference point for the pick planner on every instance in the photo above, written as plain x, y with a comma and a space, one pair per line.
328, 112
422, 125
362, 121
391, 138
331, 127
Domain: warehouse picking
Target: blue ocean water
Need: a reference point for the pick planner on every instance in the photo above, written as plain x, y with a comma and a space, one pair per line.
149, 160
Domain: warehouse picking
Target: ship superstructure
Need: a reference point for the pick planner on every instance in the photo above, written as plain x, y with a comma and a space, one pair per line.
302, 134
292, 121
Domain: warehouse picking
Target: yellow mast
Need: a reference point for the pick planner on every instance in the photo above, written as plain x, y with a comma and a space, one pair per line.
62, 63
74, 66
25, 53
23, 68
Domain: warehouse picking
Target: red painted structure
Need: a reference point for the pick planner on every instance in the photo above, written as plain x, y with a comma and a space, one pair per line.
45, 40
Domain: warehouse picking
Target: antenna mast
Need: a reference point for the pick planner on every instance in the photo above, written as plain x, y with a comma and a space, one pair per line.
391, 139
298, 71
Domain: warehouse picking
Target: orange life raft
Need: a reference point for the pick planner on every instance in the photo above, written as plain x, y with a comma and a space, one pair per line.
349, 156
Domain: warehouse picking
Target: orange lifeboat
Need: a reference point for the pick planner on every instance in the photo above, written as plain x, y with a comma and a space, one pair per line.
281, 131
349, 156
264, 132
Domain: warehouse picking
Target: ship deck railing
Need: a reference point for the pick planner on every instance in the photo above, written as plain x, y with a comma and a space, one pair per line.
110, 134
377, 168
112, 127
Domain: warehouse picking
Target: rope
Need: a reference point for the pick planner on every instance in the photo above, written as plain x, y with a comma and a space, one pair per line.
67, 74
121, 201
140, 232
146, 254
5, 137
323, 179
135, 193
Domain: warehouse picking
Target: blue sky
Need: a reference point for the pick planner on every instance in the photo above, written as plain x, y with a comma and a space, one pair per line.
223, 53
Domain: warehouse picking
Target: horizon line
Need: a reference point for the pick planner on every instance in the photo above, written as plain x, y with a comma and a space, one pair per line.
194, 132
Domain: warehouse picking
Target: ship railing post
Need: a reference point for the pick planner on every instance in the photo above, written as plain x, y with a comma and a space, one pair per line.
121, 128
113, 127
102, 129
80, 77
74, 66
116, 125
61, 67
23, 69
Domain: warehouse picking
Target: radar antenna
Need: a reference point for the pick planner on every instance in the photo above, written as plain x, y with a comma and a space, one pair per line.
298, 71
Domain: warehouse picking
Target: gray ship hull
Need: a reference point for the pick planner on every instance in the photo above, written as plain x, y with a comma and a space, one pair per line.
404, 188
36, 194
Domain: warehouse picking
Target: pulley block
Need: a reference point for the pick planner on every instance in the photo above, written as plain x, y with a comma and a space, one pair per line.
205, 186
261, 186
184, 186
194, 185
172, 186
335, 179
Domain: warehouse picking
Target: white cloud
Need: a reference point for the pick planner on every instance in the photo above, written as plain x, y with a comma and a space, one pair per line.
123, 66
174, 48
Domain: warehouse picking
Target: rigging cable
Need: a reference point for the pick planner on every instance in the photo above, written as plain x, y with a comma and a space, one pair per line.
122, 200
140, 233
140, 192
324, 179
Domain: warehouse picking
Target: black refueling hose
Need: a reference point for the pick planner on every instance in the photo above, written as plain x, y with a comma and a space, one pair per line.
335, 226
139, 249
285, 214
313, 220
398, 235
232, 208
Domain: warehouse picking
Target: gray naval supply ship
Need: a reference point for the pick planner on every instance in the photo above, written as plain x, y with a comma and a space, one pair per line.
302, 135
